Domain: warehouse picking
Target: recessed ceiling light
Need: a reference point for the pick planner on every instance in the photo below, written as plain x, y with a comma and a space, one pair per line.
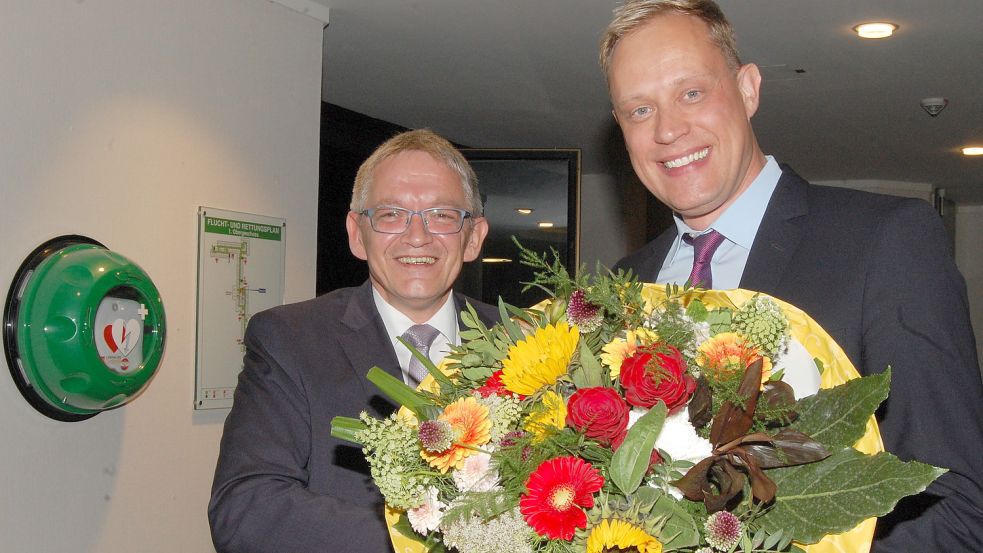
524, 210
875, 30
496, 260
973, 151
545, 224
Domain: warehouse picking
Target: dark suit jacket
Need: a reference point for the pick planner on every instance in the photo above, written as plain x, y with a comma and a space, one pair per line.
282, 483
876, 273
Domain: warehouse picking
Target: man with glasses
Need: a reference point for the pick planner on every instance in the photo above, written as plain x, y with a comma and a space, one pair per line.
282, 483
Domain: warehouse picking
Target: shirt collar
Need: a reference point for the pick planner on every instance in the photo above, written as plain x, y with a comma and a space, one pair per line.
444, 320
740, 221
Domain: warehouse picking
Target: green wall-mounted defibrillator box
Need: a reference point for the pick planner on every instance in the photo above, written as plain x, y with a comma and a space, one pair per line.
83, 329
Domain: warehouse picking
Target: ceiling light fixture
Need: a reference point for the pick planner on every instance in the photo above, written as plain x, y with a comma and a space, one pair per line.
524, 210
875, 30
545, 224
496, 260
973, 151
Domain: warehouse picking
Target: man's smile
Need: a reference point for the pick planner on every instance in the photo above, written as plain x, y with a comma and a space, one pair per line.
426, 260
686, 160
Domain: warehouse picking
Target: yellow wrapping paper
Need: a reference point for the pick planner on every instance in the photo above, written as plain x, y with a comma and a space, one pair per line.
837, 369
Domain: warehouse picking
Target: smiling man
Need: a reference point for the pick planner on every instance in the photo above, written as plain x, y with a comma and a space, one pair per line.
282, 483
875, 271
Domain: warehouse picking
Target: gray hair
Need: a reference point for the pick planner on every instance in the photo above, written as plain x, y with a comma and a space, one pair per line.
422, 140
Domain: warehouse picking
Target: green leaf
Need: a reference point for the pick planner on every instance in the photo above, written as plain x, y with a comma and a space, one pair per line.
515, 333
589, 374
470, 318
403, 527
629, 463
476, 374
836, 494
522, 315
396, 390
837, 417
697, 311
345, 428
678, 523
719, 320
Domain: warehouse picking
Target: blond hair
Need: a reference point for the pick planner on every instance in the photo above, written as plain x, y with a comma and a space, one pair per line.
421, 140
634, 13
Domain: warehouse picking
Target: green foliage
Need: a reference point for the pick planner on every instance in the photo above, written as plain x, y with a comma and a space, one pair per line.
837, 417
630, 463
841, 491
617, 294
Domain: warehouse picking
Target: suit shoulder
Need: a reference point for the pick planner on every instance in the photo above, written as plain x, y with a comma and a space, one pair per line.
868, 208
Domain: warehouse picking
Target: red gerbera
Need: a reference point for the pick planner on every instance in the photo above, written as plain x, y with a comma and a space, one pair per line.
495, 386
555, 494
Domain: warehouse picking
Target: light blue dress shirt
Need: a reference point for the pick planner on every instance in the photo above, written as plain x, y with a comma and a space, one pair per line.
739, 224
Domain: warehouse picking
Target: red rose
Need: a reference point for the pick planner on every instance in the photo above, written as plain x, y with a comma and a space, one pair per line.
599, 413
657, 373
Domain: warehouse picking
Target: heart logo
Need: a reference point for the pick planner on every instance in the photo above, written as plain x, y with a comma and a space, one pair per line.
121, 336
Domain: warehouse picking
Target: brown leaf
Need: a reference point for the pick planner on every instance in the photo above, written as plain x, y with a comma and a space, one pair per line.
730, 484
695, 480
733, 421
785, 449
776, 395
701, 404
762, 488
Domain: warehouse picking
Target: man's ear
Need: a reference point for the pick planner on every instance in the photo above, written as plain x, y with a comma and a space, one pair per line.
479, 230
749, 83
355, 236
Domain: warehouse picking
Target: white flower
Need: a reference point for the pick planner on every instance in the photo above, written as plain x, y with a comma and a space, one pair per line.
476, 474
680, 440
426, 518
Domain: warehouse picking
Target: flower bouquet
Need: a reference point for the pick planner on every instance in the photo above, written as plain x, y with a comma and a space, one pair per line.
618, 416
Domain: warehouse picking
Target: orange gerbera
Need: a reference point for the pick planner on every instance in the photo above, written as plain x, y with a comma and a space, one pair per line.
727, 354
557, 493
472, 428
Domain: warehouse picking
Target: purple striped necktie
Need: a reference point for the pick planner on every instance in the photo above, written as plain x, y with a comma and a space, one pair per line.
703, 247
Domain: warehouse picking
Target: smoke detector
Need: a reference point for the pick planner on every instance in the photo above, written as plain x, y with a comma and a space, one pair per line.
933, 106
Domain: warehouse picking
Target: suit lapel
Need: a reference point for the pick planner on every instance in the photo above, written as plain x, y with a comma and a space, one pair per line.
366, 344
778, 235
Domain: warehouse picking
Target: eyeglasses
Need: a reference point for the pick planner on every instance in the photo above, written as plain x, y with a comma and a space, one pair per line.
437, 220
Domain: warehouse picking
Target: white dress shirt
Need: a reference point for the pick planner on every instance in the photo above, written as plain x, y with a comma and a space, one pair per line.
444, 320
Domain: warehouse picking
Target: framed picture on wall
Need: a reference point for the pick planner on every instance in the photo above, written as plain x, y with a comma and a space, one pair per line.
534, 196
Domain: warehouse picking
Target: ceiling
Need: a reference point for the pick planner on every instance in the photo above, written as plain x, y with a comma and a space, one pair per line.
524, 73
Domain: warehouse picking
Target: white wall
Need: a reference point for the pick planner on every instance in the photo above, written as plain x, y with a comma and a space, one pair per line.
118, 118
969, 258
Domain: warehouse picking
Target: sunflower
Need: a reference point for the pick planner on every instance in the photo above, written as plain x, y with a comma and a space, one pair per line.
557, 493
549, 416
471, 427
611, 535
616, 351
727, 354
540, 359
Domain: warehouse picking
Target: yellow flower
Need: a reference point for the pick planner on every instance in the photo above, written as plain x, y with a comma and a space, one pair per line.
612, 535
540, 359
616, 351
472, 428
550, 415
728, 354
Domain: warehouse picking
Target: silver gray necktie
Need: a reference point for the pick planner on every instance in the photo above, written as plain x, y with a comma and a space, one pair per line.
420, 337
